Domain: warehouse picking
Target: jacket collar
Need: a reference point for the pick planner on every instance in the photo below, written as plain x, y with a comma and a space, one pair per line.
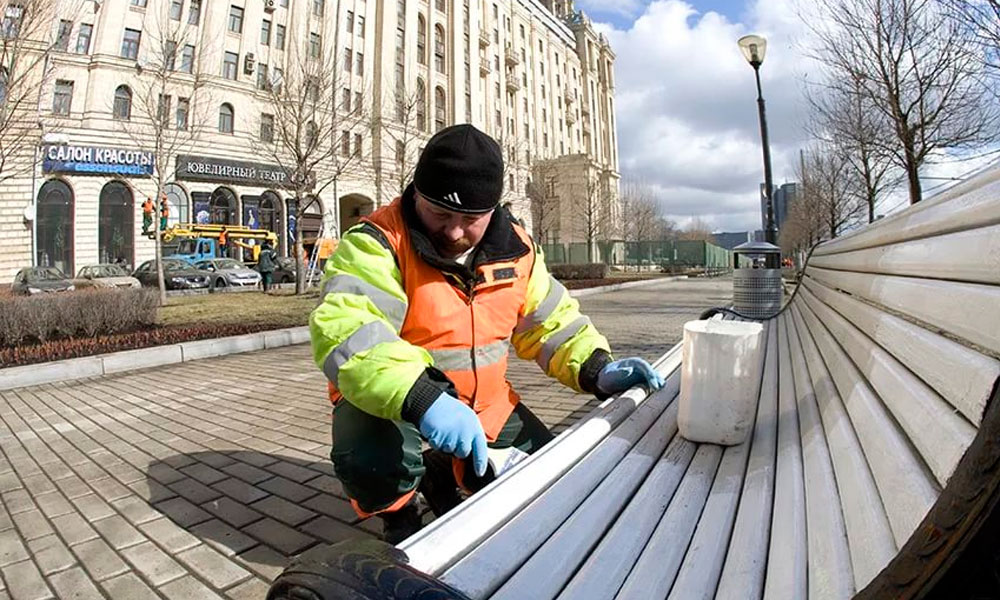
500, 242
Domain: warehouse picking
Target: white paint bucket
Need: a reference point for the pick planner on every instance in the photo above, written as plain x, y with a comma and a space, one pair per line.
720, 380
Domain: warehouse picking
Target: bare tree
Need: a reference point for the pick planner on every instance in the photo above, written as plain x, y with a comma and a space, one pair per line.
313, 124
543, 201
697, 230
844, 116
167, 107
640, 214
826, 191
404, 134
25, 46
917, 69
982, 18
592, 213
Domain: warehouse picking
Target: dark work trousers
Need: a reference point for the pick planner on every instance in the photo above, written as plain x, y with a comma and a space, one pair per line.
378, 460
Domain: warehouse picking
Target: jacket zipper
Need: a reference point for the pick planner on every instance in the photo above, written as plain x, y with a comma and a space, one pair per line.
472, 318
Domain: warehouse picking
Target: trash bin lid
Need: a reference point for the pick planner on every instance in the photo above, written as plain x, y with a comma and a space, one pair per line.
757, 248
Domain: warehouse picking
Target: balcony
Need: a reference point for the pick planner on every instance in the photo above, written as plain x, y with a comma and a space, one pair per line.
570, 116
584, 110
513, 84
484, 39
484, 67
510, 56
569, 94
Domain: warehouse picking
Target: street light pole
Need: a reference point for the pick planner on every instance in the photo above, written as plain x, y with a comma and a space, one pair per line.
753, 47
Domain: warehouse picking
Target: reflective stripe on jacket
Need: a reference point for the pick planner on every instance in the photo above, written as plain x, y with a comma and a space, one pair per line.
393, 316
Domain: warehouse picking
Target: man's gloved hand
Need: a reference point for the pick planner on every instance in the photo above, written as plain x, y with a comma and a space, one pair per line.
620, 375
453, 428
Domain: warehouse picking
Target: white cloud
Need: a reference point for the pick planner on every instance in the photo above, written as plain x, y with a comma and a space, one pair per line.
687, 113
624, 8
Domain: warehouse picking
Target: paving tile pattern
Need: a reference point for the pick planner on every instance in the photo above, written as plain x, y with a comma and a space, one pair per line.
202, 479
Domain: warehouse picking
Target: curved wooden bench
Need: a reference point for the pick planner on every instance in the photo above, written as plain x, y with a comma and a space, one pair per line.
874, 460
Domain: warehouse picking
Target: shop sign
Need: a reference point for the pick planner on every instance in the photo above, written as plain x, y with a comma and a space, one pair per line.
219, 170
92, 160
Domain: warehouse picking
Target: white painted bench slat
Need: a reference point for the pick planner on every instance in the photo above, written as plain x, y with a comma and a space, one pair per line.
746, 558
939, 433
481, 571
609, 564
961, 375
552, 565
654, 572
956, 308
787, 560
972, 256
868, 532
441, 543
969, 205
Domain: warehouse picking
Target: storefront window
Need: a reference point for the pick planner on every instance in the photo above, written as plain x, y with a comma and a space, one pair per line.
223, 207
55, 226
114, 224
178, 202
270, 216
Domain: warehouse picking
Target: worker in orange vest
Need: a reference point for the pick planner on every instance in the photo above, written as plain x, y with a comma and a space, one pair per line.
421, 302
147, 215
164, 212
223, 240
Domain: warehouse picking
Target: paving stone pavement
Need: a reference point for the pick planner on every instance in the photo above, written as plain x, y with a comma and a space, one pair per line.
201, 479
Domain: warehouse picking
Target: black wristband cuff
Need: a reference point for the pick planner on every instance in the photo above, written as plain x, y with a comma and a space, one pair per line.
590, 369
424, 392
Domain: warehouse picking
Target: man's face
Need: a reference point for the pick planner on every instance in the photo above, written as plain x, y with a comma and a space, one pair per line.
452, 233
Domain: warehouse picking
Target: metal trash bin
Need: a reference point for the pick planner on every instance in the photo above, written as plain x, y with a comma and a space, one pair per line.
757, 289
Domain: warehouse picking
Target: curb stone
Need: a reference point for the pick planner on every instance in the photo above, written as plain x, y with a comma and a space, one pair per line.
129, 360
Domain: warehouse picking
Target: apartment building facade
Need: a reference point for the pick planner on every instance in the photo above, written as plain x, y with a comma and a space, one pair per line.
534, 74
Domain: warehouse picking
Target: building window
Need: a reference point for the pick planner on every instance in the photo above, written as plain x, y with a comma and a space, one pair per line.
316, 45
229, 64
169, 54
348, 59
421, 105
12, 20
265, 32
130, 43
226, 118
123, 103
62, 37
357, 100
62, 99
349, 25
83, 38
267, 128
175, 9
183, 106
277, 79
163, 111
440, 5
440, 109
345, 143
235, 19
139, 3
283, 3
439, 48
361, 26
346, 102
360, 60
421, 40
357, 144
194, 12
187, 59
279, 37
400, 153
262, 81
318, 7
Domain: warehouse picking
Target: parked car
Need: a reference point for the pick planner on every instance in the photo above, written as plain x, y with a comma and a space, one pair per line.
105, 276
228, 271
177, 275
39, 280
284, 270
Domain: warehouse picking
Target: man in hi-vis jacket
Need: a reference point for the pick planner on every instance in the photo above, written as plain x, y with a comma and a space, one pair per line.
421, 302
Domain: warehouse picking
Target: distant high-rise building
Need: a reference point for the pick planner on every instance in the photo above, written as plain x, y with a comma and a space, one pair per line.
784, 197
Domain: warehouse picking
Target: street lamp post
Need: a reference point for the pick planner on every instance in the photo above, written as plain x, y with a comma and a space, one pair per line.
753, 48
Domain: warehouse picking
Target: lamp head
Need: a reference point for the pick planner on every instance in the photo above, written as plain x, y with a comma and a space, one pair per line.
753, 48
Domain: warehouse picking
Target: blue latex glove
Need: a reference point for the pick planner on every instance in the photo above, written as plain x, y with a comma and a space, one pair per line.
620, 375
453, 428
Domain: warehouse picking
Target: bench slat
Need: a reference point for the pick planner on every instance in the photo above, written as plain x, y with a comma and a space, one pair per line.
961, 375
654, 572
609, 564
552, 565
746, 557
956, 308
868, 533
905, 485
939, 433
972, 256
480, 572
440, 544
831, 575
787, 560
969, 205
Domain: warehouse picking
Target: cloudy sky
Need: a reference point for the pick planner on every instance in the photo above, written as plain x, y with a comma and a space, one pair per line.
686, 101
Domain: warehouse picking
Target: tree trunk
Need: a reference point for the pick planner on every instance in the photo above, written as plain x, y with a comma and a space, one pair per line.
913, 178
300, 284
157, 246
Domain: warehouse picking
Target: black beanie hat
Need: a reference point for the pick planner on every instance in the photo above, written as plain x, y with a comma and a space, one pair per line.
461, 169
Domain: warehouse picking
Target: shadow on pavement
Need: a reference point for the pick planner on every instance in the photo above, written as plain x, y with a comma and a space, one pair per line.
260, 508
